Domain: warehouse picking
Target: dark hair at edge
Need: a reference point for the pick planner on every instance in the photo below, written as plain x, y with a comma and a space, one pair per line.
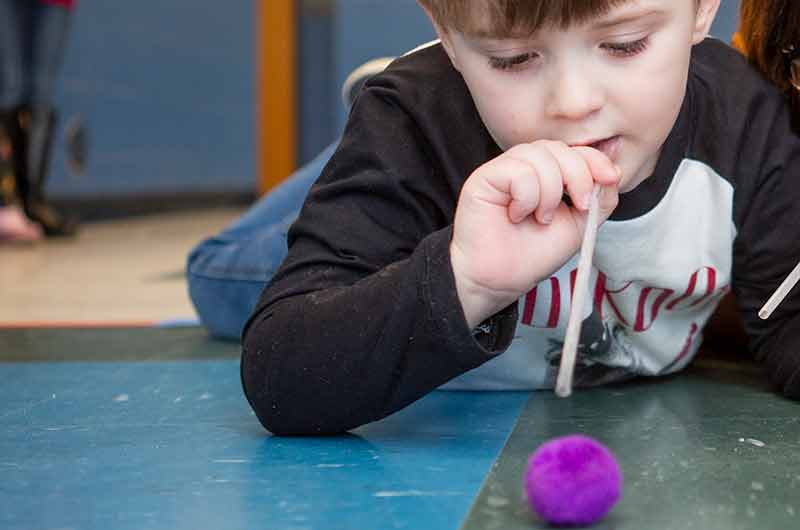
767, 27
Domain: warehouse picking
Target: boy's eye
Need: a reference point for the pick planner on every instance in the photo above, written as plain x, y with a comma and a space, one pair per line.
509, 63
626, 49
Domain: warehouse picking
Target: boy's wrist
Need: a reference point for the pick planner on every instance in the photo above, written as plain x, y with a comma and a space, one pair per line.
477, 302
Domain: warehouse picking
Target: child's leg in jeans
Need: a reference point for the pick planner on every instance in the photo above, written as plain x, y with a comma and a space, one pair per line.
226, 273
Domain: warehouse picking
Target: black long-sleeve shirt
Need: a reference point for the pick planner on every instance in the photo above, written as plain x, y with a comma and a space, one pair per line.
363, 316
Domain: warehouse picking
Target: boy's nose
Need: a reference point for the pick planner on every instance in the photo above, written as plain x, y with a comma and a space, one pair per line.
574, 95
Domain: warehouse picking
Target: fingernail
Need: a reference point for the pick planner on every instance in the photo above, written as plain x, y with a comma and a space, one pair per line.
586, 201
618, 170
547, 218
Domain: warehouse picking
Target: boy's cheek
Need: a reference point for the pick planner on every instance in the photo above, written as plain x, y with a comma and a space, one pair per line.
509, 128
657, 101
510, 112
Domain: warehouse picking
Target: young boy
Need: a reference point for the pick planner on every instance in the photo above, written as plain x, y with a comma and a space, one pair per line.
439, 245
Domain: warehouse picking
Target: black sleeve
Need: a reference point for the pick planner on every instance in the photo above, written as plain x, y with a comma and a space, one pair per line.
767, 248
363, 318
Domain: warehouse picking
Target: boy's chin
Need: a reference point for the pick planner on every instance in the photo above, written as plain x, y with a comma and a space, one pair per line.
632, 178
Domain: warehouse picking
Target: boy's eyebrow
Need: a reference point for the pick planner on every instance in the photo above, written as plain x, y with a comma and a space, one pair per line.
629, 17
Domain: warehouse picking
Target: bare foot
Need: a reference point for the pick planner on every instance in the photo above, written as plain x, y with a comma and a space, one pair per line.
15, 226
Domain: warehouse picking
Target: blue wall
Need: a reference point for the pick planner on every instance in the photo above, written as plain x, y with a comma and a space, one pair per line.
317, 110
167, 89
336, 36
725, 23
366, 29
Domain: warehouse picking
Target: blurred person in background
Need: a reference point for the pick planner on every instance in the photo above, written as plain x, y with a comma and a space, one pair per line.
33, 37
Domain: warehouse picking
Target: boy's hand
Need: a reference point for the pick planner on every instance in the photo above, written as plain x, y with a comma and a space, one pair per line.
512, 229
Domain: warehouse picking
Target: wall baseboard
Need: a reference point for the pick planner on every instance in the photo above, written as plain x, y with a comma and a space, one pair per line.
105, 208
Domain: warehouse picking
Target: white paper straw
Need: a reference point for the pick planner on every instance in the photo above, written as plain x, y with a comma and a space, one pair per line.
569, 353
780, 293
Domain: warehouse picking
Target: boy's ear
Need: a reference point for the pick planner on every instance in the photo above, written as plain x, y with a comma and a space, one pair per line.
706, 12
444, 37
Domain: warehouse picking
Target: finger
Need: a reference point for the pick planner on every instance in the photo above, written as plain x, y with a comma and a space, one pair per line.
605, 173
550, 180
513, 183
575, 173
608, 200
603, 170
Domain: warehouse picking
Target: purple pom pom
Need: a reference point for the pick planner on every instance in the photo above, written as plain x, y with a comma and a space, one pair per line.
574, 480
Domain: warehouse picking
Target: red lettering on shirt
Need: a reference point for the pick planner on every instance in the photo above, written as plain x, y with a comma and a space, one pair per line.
601, 292
687, 345
641, 308
651, 301
530, 305
711, 282
555, 303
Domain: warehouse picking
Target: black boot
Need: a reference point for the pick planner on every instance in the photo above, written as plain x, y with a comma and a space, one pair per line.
8, 185
14, 224
31, 132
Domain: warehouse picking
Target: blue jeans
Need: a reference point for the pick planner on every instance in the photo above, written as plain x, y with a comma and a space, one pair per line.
32, 44
226, 273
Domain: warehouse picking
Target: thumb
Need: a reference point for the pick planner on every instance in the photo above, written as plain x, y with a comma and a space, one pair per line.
607, 175
608, 200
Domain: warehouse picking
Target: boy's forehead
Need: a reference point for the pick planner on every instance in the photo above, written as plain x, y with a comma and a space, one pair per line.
501, 19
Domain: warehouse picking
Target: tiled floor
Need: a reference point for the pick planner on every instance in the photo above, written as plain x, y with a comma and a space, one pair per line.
114, 271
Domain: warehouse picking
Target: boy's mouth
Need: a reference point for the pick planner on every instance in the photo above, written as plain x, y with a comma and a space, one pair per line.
608, 146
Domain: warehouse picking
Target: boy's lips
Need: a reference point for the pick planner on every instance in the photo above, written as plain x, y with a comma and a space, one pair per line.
608, 146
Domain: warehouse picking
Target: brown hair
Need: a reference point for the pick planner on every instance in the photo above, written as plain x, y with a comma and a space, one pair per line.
510, 18
766, 28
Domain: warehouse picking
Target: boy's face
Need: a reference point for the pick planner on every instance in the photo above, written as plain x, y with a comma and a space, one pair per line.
619, 80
